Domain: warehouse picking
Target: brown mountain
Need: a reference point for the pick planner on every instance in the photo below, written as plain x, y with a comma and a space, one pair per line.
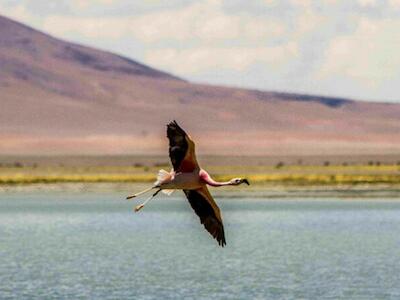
58, 97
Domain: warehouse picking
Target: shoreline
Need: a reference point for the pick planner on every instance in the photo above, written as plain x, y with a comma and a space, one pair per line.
266, 191
374, 179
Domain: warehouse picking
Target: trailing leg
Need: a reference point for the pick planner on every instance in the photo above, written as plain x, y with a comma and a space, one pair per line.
139, 207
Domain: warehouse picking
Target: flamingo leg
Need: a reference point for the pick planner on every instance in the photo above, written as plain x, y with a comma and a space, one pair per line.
139, 207
140, 193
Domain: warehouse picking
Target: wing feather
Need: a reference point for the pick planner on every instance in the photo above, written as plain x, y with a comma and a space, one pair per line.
208, 211
181, 149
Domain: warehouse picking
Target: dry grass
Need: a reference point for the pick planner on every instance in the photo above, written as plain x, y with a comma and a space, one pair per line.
285, 175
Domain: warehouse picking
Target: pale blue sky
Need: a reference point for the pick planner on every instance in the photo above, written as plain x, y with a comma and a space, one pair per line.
346, 48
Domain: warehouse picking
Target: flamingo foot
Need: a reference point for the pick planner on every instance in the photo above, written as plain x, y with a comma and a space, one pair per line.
139, 207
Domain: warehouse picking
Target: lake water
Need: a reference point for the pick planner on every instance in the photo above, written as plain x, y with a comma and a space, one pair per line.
94, 246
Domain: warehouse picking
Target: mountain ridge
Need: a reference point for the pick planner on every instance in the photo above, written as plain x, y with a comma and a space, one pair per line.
61, 97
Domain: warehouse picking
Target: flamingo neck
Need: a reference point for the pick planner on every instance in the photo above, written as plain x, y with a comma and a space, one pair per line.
207, 179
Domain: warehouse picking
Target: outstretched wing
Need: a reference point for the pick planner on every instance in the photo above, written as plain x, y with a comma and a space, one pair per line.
181, 149
205, 207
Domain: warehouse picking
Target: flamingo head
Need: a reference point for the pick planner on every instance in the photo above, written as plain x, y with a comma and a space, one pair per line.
237, 181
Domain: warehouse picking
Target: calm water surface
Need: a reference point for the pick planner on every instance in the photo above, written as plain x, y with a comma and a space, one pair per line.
94, 246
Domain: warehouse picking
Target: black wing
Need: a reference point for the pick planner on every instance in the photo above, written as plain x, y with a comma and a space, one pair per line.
181, 148
208, 211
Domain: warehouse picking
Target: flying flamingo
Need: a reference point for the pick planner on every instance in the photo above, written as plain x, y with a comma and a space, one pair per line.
189, 177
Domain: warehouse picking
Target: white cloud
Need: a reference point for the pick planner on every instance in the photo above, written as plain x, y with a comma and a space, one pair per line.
191, 61
270, 2
367, 3
199, 21
84, 4
395, 4
256, 28
331, 2
308, 21
17, 12
89, 27
369, 56
303, 3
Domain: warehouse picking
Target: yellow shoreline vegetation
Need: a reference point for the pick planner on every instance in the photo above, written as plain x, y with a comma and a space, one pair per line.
285, 175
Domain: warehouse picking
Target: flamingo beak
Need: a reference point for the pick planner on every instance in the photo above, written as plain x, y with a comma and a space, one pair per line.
245, 181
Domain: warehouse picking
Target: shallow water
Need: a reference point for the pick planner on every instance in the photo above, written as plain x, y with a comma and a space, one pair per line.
94, 246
